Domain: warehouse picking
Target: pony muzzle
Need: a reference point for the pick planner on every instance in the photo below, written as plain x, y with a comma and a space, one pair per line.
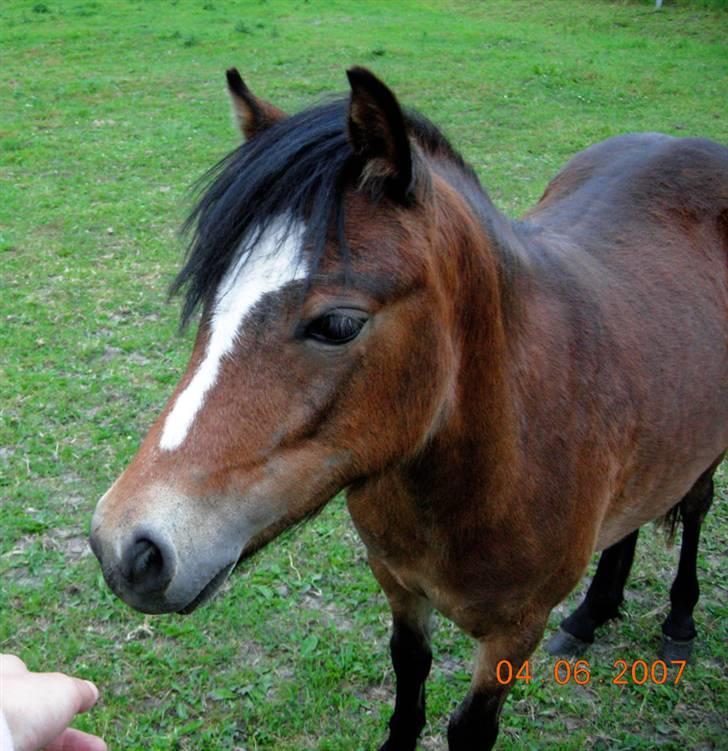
161, 565
148, 577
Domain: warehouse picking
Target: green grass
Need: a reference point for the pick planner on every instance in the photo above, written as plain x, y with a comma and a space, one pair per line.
110, 111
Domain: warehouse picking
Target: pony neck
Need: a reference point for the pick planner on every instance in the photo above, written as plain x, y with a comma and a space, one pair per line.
475, 448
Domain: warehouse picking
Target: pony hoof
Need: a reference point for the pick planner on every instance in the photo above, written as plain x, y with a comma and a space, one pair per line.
564, 644
673, 649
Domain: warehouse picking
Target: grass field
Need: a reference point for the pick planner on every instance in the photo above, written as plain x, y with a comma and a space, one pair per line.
110, 110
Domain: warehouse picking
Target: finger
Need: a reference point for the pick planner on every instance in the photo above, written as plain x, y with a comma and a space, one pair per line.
70, 695
87, 694
11, 664
76, 740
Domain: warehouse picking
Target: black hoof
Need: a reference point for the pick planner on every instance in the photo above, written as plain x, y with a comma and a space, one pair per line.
672, 649
564, 644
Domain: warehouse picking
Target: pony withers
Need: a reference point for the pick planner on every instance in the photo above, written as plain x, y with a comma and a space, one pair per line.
498, 398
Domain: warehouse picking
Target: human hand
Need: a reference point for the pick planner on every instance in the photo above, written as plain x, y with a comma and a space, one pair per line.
38, 708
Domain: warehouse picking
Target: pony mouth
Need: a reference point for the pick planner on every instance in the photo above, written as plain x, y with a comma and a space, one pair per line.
209, 590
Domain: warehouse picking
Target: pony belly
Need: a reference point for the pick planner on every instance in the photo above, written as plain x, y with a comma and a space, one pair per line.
649, 499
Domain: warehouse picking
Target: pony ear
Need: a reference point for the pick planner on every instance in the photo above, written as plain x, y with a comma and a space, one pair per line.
378, 133
253, 115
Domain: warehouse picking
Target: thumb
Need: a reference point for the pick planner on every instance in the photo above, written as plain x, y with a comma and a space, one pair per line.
75, 740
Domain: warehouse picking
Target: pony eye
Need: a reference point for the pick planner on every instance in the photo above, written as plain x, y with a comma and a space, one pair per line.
335, 327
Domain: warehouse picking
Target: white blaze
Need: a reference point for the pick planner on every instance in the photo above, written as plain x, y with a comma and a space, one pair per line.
273, 264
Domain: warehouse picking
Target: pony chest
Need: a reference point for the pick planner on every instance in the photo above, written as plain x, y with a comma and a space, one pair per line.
390, 529
415, 561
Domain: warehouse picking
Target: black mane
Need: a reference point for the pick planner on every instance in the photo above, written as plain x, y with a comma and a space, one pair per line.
296, 169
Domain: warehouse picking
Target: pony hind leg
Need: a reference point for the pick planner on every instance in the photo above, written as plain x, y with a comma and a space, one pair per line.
411, 659
602, 601
678, 629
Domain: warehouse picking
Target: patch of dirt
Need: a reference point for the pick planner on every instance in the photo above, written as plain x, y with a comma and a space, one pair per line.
69, 542
448, 666
250, 654
110, 353
137, 358
433, 742
375, 695
332, 614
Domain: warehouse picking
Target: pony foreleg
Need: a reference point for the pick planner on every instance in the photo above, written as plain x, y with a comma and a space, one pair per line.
474, 724
411, 658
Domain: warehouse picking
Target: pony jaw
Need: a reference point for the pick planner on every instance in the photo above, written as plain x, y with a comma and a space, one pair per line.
209, 590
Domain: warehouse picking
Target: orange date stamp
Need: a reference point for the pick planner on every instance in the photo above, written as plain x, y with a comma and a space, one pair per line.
637, 672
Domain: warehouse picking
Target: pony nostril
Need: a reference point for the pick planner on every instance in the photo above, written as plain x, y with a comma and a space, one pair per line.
145, 566
146, 559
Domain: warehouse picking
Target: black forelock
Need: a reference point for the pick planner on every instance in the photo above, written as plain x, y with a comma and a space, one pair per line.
297, 169
290, 170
